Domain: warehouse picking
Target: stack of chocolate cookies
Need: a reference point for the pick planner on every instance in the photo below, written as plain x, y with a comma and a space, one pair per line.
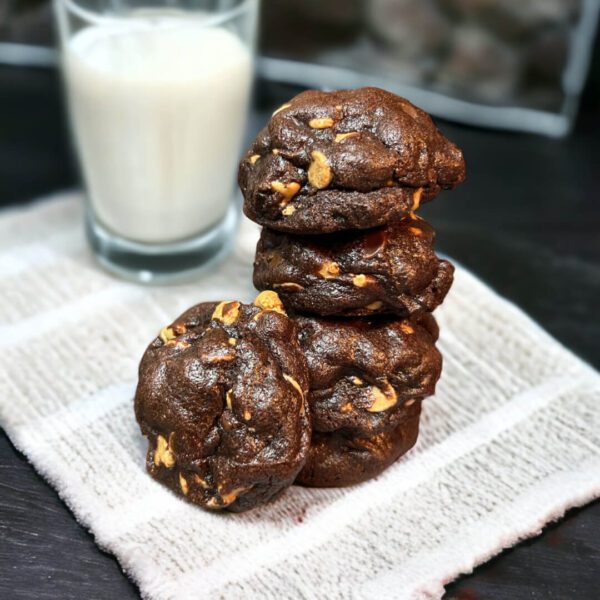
335, 180
320, 380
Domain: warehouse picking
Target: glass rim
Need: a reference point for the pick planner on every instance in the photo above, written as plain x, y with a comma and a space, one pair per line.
211, 21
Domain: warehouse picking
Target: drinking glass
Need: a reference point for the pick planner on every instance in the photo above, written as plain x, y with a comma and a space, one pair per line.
158, 92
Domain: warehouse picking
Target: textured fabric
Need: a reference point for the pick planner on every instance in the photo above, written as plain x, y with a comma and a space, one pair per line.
510, 441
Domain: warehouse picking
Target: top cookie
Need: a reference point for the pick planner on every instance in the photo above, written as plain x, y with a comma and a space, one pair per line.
351, 159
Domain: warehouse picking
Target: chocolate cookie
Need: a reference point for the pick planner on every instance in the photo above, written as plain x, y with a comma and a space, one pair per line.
387, 270
352, 159
221, 399
363, 371
368, 377
338, 459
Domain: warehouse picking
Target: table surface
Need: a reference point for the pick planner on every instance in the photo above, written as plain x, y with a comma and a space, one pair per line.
527, 221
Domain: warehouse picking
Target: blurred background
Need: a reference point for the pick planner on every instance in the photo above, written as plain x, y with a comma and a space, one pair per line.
515, 83
500, 63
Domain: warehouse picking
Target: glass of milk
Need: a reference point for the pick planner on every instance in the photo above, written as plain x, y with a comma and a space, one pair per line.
158, 93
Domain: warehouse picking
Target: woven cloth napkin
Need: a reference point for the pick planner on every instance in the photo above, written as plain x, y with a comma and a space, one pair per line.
510, 441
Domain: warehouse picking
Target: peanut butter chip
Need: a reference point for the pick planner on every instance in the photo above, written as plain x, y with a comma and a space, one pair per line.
329, 270
288, 210
213, 503
254, 158
282, 107
406, 328
375, 305
294, 383
201, 482
346, 408
287, 190
163, 454
232, 341
247, 415
227, 312
357, 380
219, 356
185, 488
289, 286
297, 387
361, 281
417, 198
178, 344
179, 328
166, 334
321, 123
319, 171
269, 300
342, 136
382, 400
231, 497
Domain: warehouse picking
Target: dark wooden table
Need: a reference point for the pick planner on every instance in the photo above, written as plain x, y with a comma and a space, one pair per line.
527, 221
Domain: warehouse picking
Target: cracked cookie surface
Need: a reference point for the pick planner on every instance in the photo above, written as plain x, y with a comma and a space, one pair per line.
221, 399
391, 269
368, 378
351, 159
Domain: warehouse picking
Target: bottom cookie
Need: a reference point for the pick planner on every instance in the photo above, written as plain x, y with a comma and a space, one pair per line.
337, 459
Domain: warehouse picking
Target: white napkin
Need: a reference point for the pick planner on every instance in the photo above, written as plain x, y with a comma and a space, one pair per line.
510, 441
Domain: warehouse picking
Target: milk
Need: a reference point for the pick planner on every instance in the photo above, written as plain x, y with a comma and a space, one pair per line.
158, 106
